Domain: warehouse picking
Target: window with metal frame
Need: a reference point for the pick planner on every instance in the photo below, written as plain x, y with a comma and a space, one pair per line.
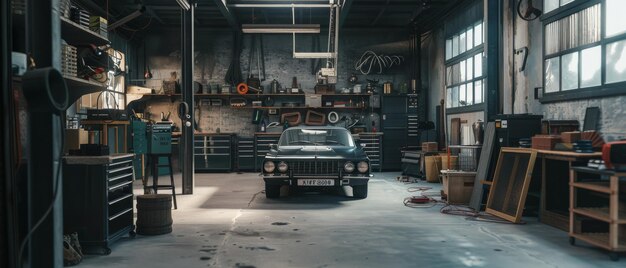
584, 49
465, 78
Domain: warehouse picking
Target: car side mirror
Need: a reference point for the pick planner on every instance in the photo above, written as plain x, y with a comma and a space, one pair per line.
274, 147
363, 145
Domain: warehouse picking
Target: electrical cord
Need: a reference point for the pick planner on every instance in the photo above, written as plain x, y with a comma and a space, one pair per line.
370, 60
54, 197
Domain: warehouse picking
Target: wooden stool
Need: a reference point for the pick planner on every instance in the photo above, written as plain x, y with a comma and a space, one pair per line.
154, 161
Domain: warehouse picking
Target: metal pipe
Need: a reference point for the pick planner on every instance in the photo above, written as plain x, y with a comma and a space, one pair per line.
187, 47
281, 5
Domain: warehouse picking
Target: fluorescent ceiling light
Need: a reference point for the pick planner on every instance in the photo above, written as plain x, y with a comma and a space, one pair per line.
184, 4
280, 28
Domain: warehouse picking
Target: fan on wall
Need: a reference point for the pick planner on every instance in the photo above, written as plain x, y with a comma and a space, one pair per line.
528, 12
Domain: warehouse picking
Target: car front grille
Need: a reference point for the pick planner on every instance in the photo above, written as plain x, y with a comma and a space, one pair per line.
314, 167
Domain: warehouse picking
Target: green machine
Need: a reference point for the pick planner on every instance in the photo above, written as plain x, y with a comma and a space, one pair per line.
160, 142
138, 145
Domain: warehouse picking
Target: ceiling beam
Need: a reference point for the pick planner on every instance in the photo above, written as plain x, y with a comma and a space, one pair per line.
345, 10
232, 21
154, 15
380, 14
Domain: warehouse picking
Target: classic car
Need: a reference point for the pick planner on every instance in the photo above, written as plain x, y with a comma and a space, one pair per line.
310, 158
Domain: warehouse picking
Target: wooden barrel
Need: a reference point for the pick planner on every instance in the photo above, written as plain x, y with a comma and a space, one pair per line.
154, 214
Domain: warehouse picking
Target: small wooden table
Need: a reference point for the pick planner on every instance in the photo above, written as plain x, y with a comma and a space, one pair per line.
555, 166
104, 138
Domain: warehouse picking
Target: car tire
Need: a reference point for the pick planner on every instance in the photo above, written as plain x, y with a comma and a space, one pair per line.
359, 191
272, 191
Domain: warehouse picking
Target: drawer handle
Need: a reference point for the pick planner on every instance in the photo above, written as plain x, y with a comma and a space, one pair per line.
119, 169
120, 163
120, 214
120, 185
120, 177
120, 199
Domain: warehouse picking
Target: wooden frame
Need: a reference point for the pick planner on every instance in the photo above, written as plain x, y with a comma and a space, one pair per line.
524, 191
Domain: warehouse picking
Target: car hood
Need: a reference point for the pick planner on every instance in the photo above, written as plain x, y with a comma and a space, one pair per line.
333, 152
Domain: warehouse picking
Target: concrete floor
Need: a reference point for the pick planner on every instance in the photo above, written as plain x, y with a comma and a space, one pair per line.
228, 222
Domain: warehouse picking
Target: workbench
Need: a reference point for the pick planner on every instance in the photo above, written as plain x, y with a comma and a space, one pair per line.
555, 173
104, 126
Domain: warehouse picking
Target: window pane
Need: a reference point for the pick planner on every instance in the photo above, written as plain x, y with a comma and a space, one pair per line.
551, 34
455, 46
478, 34
590, 25
448, 75
590, 63
478, 65
569, 70
478, 91
549, 5
552, 75
463, 73
470, 38
616, 62
568, 31
448, 49
470, 93
462, 96
462, 43
455, 97
615, 22
449, 98
456, 74
470, 68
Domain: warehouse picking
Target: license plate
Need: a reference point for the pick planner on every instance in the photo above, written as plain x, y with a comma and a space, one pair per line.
316, 182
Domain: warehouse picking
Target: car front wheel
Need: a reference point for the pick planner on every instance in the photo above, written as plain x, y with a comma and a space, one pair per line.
272, 191
359, 191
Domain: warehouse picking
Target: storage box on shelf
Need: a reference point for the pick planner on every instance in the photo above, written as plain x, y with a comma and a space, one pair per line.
597, 214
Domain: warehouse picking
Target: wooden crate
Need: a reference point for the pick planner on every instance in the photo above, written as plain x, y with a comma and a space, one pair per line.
545, 142
428, 147
458, 186
570, 137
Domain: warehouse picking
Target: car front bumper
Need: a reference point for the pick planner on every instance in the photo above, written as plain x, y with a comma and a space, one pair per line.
293, 181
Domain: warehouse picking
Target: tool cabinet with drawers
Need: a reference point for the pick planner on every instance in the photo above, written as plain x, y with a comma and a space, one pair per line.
213, 152
373, 148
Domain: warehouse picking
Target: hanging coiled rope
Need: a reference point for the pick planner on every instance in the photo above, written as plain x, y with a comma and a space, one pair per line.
369, 60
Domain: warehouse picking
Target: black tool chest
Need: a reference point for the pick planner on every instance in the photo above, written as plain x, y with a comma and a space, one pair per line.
245, 154
213, 152
373, 148
98, 200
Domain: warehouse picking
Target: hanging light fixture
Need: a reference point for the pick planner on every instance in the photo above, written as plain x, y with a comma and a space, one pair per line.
280, 28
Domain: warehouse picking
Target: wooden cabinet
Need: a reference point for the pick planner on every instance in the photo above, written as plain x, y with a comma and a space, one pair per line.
213, 152
597, 213
98, 200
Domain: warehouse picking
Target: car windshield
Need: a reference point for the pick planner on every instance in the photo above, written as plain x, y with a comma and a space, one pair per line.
316, 137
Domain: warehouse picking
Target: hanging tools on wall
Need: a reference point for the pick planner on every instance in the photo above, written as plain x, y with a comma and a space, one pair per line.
256, 51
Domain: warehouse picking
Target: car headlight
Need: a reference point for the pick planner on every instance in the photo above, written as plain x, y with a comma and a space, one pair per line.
362, 167
282, 167
269, 166
348, 167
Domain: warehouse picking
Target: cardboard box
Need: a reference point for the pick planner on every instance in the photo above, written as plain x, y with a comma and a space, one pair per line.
458, 186
545, 142
313, 100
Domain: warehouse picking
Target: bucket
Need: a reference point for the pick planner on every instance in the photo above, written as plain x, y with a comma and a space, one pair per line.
154, 214
433, 166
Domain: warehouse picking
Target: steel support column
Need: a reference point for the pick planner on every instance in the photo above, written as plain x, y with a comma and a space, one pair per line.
45, 249
187, 48
494, 56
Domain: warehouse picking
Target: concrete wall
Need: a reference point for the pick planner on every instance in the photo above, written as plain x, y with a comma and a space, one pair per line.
213, 55
517, 34
529, 34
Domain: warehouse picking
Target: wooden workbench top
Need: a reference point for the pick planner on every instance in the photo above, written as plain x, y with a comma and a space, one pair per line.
104, 122
93, 160
571, 154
